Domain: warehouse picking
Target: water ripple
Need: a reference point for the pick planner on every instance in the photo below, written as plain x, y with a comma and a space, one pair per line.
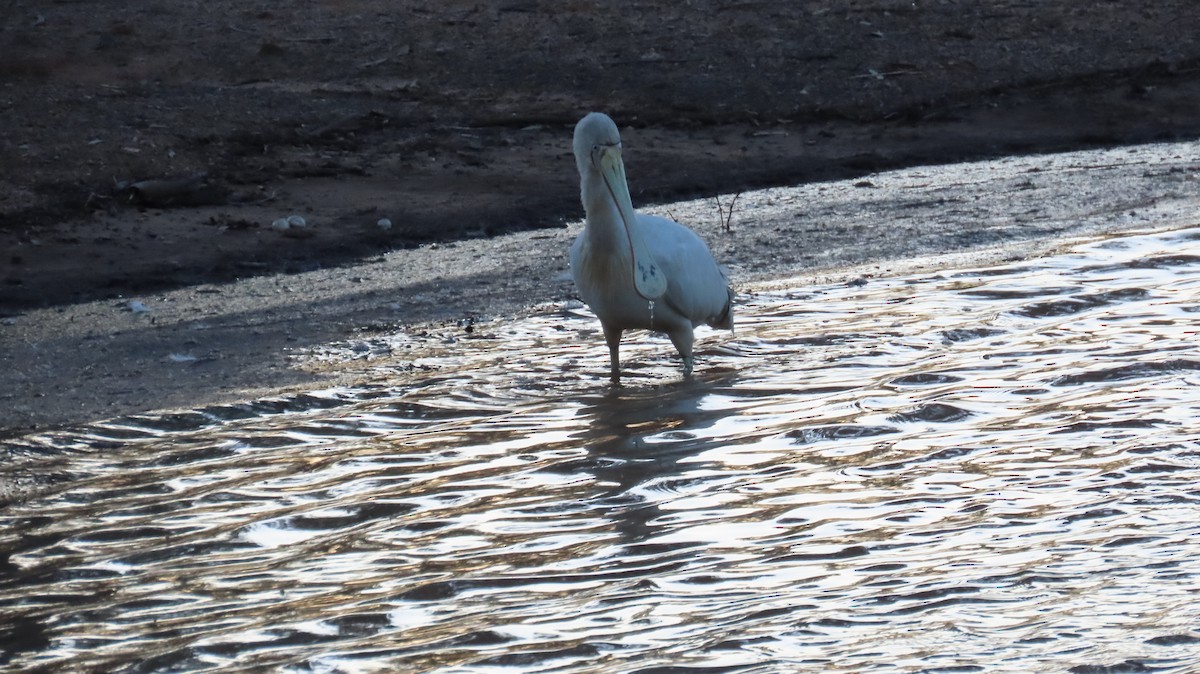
981, 470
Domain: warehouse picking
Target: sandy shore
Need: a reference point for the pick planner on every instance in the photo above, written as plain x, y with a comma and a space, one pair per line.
213, 343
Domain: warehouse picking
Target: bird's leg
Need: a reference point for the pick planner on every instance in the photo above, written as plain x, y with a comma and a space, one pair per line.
612, 335
682, 339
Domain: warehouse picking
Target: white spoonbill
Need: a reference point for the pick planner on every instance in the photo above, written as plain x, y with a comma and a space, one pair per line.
639, 271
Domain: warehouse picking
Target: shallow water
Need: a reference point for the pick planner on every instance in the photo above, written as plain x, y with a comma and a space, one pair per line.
982, 470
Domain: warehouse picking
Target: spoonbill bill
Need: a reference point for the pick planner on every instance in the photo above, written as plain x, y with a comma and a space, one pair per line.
639, 271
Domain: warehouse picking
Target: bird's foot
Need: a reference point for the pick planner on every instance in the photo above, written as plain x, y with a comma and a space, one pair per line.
688, 362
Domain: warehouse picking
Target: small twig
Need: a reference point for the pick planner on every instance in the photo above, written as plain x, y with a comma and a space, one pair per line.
727, 217
270, 197
376, 62
876, 75
664, 61
326, 38
92, 196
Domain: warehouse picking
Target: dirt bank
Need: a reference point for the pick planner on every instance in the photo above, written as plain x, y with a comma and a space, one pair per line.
451, 118
233, 341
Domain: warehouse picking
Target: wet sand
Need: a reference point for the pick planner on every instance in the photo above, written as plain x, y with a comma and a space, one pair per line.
220, 342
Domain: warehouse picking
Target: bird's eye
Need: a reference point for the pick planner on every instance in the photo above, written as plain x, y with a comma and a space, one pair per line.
596, 148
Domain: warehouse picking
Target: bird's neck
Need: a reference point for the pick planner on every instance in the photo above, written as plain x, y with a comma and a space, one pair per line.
605, 230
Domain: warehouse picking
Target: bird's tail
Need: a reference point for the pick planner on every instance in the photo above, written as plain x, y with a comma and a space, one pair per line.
725, 318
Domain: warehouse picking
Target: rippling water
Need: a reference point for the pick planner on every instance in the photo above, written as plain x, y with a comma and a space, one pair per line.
982, 470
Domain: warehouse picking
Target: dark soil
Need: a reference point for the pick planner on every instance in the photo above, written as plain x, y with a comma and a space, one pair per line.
453, 119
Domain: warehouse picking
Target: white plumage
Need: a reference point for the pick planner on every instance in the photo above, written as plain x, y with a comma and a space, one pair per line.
639, 271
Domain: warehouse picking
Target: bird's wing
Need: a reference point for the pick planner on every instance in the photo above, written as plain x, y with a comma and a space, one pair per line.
696, 286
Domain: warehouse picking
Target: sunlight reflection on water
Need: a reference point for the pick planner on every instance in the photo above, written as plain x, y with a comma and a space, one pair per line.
976, 470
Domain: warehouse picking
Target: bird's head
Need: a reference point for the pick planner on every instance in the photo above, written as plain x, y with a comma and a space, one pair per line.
596, 136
